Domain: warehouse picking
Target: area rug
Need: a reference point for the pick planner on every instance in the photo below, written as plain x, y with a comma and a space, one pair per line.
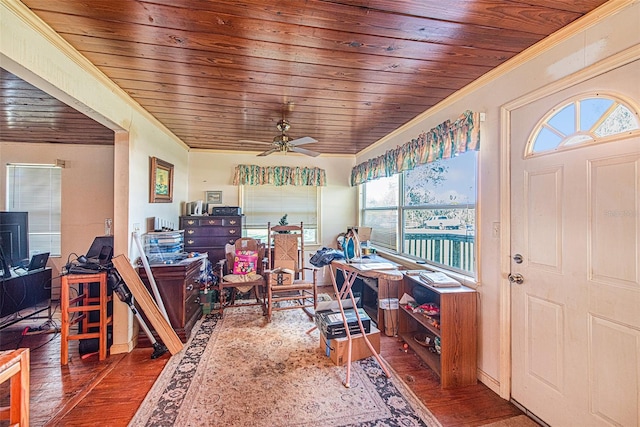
240, 370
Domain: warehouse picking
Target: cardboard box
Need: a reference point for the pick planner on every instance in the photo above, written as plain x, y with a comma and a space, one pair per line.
364, 233
336, 349
331, 324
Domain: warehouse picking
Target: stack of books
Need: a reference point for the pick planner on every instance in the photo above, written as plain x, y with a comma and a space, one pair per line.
438, 280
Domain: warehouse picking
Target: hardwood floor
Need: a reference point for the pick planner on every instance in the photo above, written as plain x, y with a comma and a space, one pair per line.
88, 392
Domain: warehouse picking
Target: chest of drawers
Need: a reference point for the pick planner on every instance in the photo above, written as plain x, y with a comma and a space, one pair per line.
179, 288
210, 234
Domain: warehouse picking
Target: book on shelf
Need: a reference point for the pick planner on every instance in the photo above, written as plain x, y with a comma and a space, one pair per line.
438, 279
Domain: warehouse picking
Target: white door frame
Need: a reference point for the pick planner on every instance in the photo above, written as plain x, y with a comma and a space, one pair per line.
625, 57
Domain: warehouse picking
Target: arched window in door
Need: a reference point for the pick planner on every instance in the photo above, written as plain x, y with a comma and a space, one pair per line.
587, 120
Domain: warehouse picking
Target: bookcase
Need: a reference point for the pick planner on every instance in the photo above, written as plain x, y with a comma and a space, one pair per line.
453, 335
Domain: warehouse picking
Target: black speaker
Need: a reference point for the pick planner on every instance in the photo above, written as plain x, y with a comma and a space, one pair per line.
226, 210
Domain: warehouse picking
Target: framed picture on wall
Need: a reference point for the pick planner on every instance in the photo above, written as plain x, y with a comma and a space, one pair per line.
161, 181
214, 197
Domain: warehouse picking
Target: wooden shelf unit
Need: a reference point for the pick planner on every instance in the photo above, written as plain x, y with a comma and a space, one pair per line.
456, 365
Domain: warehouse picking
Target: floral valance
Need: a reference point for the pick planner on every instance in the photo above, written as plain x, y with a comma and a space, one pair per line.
278, 175
442, 142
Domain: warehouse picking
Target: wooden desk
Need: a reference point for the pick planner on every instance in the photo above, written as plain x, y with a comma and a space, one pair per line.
30, 290
384, 285
350, 272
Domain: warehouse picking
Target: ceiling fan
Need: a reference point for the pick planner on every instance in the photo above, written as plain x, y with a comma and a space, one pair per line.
284, 143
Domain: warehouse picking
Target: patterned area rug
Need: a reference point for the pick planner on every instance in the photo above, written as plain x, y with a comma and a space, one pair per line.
242, 371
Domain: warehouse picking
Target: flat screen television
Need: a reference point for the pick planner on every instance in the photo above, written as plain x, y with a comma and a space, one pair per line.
14, 237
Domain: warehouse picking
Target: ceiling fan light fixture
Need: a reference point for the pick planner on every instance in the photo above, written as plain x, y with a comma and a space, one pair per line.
284, 144
283, 125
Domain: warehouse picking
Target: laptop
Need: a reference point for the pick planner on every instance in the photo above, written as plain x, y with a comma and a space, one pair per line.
38, 261
101, 250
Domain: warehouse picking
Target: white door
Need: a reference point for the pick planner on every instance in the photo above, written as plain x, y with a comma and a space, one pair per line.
575, 222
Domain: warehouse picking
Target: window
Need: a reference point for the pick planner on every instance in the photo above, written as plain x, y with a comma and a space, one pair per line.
588, 120
433, 206
269, 203
380, 210
37, 189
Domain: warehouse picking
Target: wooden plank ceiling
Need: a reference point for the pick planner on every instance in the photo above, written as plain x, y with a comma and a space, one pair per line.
346, 73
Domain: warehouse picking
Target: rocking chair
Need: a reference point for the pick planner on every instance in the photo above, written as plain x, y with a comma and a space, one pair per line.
288, 287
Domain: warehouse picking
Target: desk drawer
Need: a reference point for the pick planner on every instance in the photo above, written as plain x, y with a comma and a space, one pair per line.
212, 231
191, 307
206, 242
210, 221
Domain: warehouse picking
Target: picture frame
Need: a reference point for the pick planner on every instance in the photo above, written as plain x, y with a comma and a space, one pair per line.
161, 181
213, 197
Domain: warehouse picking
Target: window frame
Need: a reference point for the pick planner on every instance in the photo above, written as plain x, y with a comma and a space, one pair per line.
402, 207
264, 235
54, 250
589, 136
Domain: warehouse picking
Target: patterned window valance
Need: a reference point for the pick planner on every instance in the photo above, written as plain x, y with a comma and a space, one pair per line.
278, 175
442, 142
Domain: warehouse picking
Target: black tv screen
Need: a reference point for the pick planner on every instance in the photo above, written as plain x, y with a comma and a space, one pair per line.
14, 236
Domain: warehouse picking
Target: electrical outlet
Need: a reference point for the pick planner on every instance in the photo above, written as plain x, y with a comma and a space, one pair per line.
495, 230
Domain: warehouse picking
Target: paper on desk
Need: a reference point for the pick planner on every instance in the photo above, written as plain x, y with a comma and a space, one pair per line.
406, 299
333, 305
377, 266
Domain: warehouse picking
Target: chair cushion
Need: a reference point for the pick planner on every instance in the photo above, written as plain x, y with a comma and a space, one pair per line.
245, 262
241, 278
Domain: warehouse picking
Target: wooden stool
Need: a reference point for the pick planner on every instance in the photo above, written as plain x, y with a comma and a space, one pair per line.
81, 306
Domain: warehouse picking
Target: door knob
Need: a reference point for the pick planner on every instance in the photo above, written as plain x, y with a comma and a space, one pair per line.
517, 278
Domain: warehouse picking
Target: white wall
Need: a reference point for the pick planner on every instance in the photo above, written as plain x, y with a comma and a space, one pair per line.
88, 171
567, 52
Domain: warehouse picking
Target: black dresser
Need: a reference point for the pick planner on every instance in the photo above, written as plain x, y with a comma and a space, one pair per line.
210, 234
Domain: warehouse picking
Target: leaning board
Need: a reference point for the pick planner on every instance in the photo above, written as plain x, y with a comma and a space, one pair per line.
147, 304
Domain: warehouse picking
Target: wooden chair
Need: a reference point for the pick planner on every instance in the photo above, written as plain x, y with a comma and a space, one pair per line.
14, 367
241, 271
297, 289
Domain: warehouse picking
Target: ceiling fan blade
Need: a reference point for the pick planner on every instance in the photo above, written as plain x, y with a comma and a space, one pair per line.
303, 140
304, 151
250, 141
266, 153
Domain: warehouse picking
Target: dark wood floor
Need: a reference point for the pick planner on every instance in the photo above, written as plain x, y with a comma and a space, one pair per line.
88, 392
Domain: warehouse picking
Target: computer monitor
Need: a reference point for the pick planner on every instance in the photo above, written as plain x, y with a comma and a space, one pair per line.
14, 236
5, 267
